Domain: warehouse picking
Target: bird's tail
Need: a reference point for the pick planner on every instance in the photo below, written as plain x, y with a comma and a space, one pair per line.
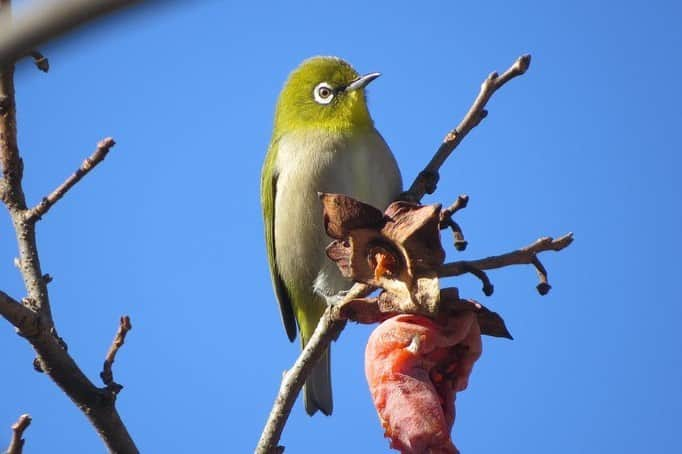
317, 393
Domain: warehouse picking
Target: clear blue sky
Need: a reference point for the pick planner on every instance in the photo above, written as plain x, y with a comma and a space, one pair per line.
168, 229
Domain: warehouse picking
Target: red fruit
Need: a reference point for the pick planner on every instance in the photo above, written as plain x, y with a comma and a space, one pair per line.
414, 366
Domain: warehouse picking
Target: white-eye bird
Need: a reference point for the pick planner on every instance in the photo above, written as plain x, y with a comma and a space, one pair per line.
323, 141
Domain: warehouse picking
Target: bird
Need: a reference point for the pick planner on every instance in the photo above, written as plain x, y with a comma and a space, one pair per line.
323, 140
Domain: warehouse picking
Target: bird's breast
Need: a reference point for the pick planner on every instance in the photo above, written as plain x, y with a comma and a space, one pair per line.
359, 165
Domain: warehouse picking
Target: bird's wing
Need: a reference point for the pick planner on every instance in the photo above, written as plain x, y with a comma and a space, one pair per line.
268, 191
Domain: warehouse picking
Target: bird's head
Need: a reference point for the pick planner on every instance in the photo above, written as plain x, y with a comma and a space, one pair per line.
324, 93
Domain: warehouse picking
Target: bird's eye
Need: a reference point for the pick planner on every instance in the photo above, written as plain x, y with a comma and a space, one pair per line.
323, 93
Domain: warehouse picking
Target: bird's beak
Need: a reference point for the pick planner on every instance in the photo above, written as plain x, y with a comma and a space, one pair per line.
361, 82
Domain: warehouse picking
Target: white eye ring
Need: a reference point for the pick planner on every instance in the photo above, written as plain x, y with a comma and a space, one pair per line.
323, 93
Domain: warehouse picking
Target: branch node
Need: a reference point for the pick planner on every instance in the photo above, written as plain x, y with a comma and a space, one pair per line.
41, 62
37, 366
451, 135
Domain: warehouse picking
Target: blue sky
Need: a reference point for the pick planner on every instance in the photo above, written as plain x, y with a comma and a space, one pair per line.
168, 229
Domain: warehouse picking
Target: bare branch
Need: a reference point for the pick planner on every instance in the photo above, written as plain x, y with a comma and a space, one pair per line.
33, 317
16, 445
447, 221
107, 375
46, 20
329, 327
524, 256
23, 318
12, 194
426, 181
103, 147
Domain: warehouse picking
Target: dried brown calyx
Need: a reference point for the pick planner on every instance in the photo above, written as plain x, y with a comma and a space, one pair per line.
399, 250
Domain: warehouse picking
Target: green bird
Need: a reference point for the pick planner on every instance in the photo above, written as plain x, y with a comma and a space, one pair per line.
323, 140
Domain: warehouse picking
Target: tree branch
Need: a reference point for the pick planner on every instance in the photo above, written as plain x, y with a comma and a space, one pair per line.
33, 317
328, 329
523, 256
103, 147
16, 445
47, 20
23, 318
426, 181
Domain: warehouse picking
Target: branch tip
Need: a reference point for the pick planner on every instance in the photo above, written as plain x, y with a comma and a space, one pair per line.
41, 62
103, 147
446, 221
543, 288
16, 444
523, 63
107, 374
473, 117
523, 256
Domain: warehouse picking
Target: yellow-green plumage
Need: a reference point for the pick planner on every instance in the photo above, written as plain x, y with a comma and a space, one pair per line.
319, 144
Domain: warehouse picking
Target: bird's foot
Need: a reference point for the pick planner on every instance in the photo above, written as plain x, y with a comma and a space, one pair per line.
333, 300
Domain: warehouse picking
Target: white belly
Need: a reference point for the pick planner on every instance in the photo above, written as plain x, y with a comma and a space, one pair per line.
361, 166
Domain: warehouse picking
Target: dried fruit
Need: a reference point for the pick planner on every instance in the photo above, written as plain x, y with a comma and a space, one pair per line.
414, 367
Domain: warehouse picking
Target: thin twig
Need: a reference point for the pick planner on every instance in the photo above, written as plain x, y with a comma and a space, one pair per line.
329, 327
482, 276
459, 204
16, 445
103, 147
523, 256
47, 20
107, 374
426, 181
447, 221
